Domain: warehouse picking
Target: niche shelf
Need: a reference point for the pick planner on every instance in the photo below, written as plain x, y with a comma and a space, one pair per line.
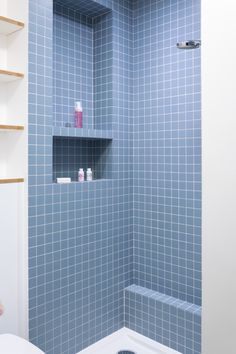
7, 127
94, 183
72, 153
9, 26
82, 133
9, 76
11, 180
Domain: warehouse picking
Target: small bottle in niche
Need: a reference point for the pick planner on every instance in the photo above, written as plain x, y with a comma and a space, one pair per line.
89, 174
78, 115
81, 175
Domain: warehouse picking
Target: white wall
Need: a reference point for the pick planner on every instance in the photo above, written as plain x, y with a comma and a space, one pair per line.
3, 7
11, 237
219, 176
14, 164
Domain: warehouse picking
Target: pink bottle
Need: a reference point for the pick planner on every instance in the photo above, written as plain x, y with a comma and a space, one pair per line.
81, 175
1, 309
78, 115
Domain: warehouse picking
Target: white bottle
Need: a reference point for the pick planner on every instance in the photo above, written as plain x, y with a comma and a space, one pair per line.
89, 174
81, 175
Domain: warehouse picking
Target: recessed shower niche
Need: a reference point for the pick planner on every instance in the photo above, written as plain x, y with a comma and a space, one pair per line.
82, 71
82, 63
70, 154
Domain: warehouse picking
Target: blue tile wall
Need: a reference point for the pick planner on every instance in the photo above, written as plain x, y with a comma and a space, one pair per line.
167, 149
103, 65
80, 235
88, 242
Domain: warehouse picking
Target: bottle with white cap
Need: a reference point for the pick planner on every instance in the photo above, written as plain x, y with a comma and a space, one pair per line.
78, 115
89, 174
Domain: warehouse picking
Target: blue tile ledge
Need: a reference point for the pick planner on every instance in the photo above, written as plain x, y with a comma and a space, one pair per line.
165, 319
82, 186
85, 182
82, 133
165, 299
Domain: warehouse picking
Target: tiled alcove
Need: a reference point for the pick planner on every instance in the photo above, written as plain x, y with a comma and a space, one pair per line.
82, 71
82, 64
71, 154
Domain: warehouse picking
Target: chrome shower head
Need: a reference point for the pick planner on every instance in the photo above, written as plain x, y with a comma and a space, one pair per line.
191, 44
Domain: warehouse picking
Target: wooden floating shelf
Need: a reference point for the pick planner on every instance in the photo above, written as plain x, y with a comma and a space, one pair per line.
9, 26
11, 180
5, 127
8, 76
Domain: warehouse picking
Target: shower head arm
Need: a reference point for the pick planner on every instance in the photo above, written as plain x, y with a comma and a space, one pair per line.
190, 44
